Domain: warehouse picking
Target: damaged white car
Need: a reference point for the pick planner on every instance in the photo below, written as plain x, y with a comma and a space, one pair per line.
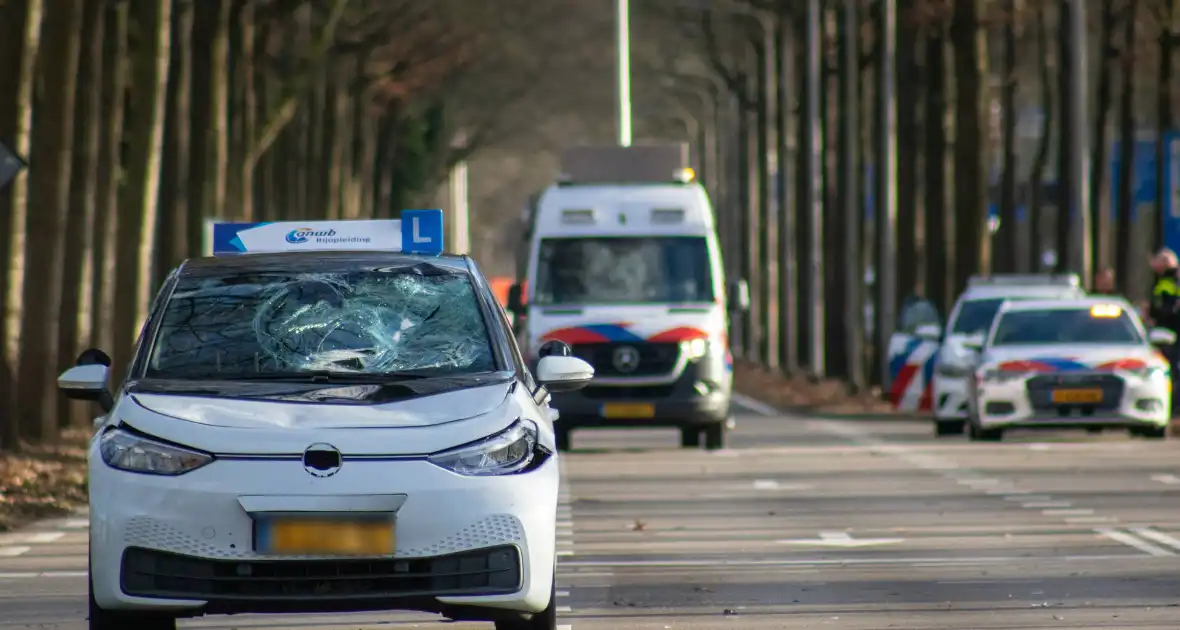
325, 431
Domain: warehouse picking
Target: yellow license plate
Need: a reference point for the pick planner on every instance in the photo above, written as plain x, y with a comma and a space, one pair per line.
1077, 396
327, 537
628, 410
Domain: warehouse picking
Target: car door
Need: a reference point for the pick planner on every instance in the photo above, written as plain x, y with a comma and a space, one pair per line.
911, 359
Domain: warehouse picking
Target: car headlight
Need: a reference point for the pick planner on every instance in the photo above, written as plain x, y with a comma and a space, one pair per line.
953, 370
504, 453
1148, 373
694, 349
133, 453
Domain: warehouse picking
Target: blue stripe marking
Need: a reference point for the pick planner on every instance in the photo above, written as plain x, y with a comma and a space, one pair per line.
614, 332
898, 360
1063, 365
225, 236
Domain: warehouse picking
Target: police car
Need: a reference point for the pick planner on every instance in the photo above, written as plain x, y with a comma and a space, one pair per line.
1076, 363
325, 416
969, 320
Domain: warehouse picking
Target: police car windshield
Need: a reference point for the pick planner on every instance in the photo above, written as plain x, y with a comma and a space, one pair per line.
369, 321
1070, 326
975, 316
623, 270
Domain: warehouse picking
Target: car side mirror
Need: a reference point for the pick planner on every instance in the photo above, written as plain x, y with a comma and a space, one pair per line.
515, 299
1162, 337
973, 343
564, 373
87, 380
928, 332
739, 296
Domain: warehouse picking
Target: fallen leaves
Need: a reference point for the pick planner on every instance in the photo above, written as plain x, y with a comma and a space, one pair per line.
43, 481
803, 394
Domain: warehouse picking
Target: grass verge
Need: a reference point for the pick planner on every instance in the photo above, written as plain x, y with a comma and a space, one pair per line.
43, 481
824, 398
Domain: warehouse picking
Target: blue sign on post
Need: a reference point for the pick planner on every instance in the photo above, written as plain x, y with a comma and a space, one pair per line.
1144, 178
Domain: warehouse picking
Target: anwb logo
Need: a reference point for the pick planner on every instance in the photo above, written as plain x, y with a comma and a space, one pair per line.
302, 235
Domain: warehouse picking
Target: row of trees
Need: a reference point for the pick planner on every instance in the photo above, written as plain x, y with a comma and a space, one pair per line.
968, 109
141, 120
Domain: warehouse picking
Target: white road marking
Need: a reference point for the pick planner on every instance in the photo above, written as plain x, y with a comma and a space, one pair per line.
563, 593
26, 575
1038, 447
12, 552
1036, 505
1158, 537
42, 537
1076, 512
1131, 541
77, 523
754, 405
565, 626
841, 539
1030, 497
765, 484
1083, 520
564, 609
1171, 480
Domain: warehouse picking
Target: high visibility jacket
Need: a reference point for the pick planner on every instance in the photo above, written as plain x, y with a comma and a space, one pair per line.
1165, 298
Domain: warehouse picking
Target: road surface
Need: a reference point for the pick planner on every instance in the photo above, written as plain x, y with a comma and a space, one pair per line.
801, 524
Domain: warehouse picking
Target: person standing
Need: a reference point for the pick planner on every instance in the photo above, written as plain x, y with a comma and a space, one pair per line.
1164, 309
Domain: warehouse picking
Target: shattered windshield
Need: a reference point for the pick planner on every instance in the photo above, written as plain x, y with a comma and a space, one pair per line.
623, 270
370, 322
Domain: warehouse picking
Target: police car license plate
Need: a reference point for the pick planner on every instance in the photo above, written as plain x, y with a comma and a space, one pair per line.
1077, 395
327, 537
628, 410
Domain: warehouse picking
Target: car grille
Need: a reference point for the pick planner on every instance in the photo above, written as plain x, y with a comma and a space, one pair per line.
1040, 390
236, 583
655, 359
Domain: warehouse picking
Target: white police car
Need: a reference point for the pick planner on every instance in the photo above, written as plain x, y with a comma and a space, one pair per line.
306, 430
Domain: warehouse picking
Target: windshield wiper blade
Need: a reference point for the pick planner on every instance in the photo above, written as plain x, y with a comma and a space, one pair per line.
325, 376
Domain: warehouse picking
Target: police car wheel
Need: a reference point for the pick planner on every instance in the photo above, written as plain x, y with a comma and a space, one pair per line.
949, 427
690, 437
544, 620
978, 434
1154, 433
715, 436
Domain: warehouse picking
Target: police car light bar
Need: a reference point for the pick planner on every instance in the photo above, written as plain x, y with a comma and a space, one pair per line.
417, 232
1026, 279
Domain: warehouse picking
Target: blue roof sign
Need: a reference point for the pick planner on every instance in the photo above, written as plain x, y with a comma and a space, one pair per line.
417, 232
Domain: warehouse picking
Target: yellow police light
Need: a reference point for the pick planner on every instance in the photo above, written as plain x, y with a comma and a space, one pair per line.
1105, 310
686, 175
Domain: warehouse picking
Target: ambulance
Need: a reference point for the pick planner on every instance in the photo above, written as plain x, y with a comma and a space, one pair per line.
624, 269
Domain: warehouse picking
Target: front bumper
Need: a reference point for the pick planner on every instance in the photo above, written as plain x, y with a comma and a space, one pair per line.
695, 398
1136, 402
474, 548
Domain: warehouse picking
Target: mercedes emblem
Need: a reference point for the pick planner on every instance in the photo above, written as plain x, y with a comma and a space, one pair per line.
626, 359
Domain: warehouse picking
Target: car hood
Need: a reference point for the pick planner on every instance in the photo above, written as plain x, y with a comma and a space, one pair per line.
1059, 358
419, 425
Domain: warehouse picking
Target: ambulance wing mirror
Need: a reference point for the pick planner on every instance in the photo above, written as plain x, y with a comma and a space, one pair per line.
739, 296
516, 299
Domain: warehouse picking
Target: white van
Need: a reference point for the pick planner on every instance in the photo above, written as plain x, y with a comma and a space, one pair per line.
624, 268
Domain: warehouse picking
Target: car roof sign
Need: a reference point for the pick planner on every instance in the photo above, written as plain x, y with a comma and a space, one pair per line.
416, 232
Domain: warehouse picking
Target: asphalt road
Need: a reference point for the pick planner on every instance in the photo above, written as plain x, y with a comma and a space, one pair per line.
803, 524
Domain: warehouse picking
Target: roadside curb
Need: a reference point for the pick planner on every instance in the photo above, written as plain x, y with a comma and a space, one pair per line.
766, 409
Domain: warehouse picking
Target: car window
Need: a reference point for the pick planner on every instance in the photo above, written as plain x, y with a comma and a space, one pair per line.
623, 270
370, 321
1071, 326
975, 316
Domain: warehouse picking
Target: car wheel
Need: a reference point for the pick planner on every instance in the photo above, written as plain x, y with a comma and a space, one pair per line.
978, 434
1154, 433
949, 427
715, 436
563, 438
544, 620
111, 620
690, 437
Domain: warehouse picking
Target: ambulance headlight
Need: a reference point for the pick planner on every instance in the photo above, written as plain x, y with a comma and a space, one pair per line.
695, 349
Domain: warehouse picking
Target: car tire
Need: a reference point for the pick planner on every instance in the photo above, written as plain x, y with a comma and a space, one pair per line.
562, 437
1154, 433
544, 620
715, 436
949, 427
101, 619
978, 434
690, 437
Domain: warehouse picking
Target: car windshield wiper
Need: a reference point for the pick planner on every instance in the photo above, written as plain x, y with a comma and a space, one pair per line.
321, 376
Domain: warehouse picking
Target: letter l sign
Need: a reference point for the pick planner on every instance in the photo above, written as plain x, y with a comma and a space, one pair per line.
418, 238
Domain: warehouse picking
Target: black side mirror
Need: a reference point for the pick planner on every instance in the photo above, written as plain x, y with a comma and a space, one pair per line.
93, 356
515, 299
554, 348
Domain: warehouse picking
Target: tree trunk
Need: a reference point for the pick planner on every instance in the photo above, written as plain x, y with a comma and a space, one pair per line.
78, 267
174, 175
137, 216
366, 169
1009, 237
1125, 209
115, 61
49, 190
338, 137
1099, 197
243, 115
217, 169
938, 218
315, 166
270, 200
971, 189
20, 35
1036, 177
1164, 118
202, 132
908, 94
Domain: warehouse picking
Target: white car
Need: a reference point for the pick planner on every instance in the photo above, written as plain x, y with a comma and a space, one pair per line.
324, 431
1078, 363
969, 320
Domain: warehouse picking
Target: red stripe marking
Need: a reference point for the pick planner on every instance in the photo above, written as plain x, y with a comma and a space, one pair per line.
1026, 366
901, 382
1123, 364
574, 335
